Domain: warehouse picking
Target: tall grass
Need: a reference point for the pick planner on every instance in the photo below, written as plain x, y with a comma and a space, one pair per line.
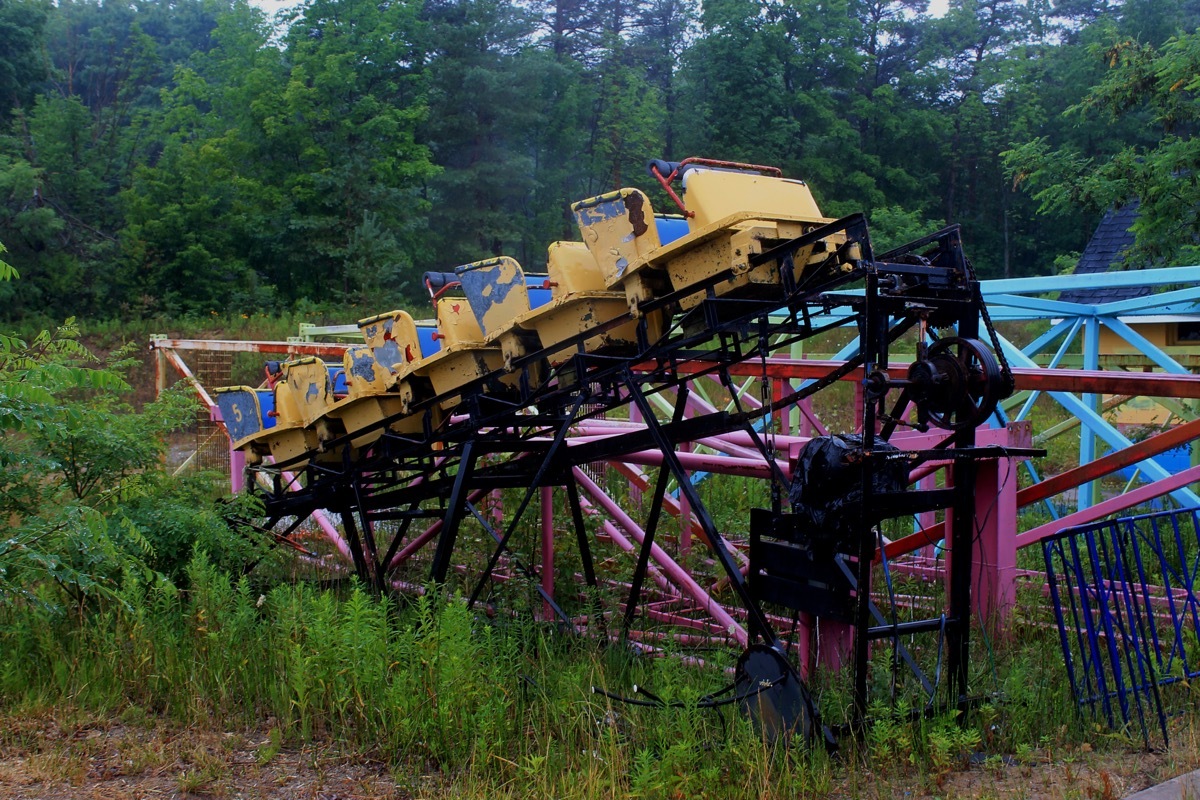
503, 709
506, 708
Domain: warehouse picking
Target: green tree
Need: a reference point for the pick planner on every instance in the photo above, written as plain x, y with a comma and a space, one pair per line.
22, 23
82, 489
355, 98
53, 533
296, 168
663, 28
1163, 177
484, 84
73, 147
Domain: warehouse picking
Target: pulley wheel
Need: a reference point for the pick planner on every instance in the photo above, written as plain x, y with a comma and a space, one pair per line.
771, 693
958, 384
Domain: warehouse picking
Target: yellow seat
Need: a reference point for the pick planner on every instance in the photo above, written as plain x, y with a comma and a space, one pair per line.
463, 357
456, 323
580, 303
393, 340
302, 394
572, 268
368, 403
365, 376
620, 231
733, 216
713, 195
497, 292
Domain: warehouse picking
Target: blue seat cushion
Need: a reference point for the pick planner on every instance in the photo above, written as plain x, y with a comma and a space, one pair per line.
266, 407
337, 379
670, 229
429, 345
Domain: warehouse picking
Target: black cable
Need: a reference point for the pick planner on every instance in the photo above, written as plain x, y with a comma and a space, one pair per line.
708, 701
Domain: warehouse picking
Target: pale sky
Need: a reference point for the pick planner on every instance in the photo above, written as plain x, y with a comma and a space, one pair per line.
936, 7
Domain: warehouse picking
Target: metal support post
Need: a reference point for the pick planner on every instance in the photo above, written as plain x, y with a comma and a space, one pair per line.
995, 562
758, 621
454, 513
547, 551
643, 562
585, 549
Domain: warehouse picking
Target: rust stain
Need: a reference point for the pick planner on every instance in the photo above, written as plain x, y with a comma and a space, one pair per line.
635, 205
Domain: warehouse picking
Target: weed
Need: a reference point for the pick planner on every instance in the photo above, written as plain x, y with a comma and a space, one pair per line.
197, 780
269, 749
495, 707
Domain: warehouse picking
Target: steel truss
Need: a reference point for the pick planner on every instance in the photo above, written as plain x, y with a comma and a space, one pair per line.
520, 439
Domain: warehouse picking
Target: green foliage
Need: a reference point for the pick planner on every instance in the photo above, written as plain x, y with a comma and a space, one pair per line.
500, 707
81, 483
21, 29
892, 226
309, 163
7, 273
1159, 86
189, 157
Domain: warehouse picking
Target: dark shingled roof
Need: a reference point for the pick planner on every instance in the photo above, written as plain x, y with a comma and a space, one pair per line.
1107, 248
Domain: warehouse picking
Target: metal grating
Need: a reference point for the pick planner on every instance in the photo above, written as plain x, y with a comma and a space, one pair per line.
1125, 599
211, 368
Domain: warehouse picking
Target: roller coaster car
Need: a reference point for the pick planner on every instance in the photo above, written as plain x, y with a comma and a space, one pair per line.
580, 303
369, 401
275, 421
278, 421
398, 344
499, 293
620, 230
303, 393
733, 211
463, 357
526, 313
249, 415
394, 342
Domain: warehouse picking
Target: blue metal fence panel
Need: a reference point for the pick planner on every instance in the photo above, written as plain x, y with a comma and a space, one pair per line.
1124, 594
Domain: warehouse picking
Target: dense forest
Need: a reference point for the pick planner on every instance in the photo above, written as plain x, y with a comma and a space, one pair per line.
187, 156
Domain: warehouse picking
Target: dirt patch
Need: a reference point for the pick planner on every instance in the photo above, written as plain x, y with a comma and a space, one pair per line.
1081, 772
47, 758
61, 755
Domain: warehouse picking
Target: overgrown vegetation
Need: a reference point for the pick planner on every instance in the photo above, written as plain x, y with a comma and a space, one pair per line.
124, 594
503, 707
82, 490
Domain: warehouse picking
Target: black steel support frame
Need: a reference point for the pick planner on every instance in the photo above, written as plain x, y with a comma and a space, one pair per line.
940, 286
878, 311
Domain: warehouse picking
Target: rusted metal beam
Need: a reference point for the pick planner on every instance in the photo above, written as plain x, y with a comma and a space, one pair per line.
1140, 451
186, 372
1111, 506
914, 541
1049, 487
1185, 356
1150, 384
230, 346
